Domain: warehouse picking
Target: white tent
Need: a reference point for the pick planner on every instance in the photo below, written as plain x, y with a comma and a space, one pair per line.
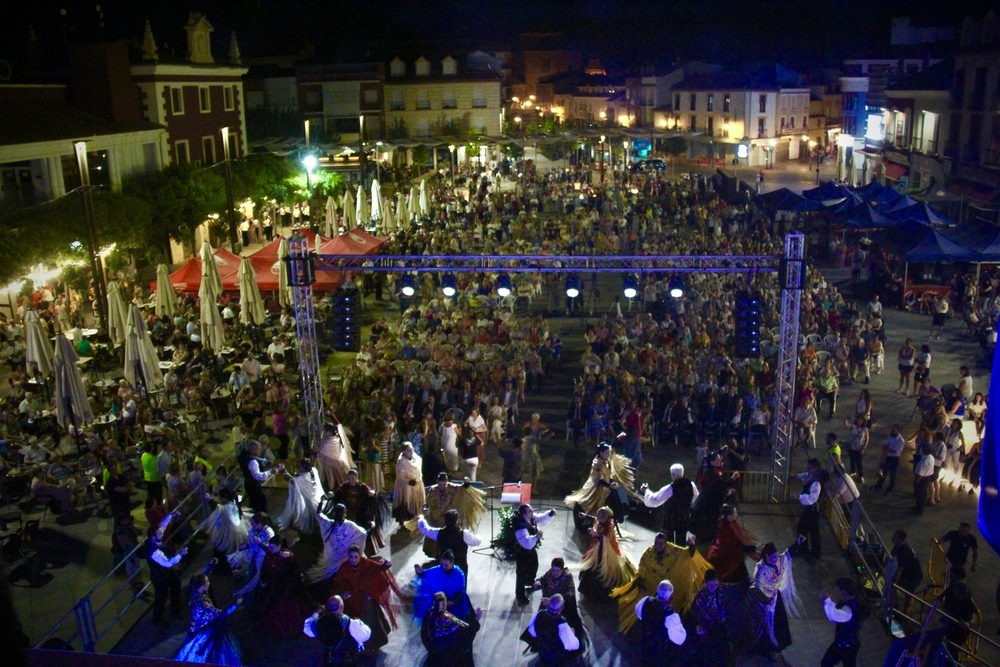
117, 313
141, 364
209, 269
251, 304
388, 220
330, 222
72, 406
413, 206
166, 299
402, 214
38, 349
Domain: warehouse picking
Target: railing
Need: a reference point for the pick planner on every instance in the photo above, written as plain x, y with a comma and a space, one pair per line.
111, 602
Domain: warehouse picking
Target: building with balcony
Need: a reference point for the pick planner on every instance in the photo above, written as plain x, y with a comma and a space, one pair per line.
648, 93
340, 100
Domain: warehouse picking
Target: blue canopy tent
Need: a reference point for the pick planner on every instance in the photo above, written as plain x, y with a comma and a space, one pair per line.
989, 499
923, 213
869, 191
886, 198
905, 202
827, 191
844, 207
866, 217
916, 242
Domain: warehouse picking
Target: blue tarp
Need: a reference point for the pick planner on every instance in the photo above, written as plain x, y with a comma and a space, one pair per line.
827, 191
916, 242
866, 217
921, 212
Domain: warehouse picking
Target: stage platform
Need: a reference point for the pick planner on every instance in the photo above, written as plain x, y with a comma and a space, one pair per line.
491, 587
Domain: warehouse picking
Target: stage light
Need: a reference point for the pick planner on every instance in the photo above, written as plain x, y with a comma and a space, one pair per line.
573, 287
504, 287
630, 287
676, 288
449, 285
407, 286
748, 323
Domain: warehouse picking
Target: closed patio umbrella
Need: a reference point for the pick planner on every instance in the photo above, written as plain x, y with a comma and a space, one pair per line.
72, 406
361, 209
413, 206
425, 205
166, 299
212, 335
350, 216
38, 349
402, 214
141, 364
284, 292
116, 313
388, 220
376, 206
209, 269
251, 303
330, 220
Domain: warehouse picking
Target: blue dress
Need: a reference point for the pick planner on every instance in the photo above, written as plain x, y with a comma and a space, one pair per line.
208, 639
452, 584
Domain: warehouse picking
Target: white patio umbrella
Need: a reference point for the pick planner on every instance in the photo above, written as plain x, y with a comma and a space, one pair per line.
284, 292
141, 365
38, 349
330, 223
388, 220
251, 303
413, 206
116, 313
402, 214
425, 206
350, 216
166, 299
361, 209
209, 269
376, 212
72, 406
212, 335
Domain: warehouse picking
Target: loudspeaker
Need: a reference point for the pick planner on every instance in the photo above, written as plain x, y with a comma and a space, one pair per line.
748, 321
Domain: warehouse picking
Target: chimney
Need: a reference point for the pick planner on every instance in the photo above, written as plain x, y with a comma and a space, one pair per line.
149, 44
234, 49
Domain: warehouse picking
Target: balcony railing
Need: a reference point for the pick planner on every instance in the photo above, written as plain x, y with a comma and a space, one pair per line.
423, 106
397, 106
478, 104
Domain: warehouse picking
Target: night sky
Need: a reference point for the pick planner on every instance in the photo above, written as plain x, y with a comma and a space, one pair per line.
622, 33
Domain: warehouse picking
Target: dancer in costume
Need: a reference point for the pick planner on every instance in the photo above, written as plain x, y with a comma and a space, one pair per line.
408, 497
208, 639
365, 508
305, 494
557, 580
732, 543
662, 631
442, 578
611, 478
226, 527
343, 637
280, 604
334, 456
527, 532
450, 538
605, 566
446, 636
369, 590
678, 496
468, 501
710, 611
248, 560
663, 560
339, 534
716, 486
551, 635
848, 615
774, 588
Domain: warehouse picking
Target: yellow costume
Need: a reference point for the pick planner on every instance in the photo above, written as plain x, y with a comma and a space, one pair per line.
468, 501
683, 566
594, 494
606, 558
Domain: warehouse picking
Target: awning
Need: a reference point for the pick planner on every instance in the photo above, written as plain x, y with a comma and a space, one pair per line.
894, 171
979, 194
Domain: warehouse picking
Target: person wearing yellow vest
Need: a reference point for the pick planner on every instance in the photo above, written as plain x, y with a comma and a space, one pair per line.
201, 456
151, 473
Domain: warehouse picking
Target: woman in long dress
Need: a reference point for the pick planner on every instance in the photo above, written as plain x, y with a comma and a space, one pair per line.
281, 605
611, 477
248, 561
733, 542
334, 456
774, 589
369, 590
408, 495
450, 432
305, 493
605, 566
208, 639
226, 527
716, 487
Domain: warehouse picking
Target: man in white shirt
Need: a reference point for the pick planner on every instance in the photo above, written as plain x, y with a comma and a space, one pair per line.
333, 627
923, 470
452, 537
891, 451
527, 531
277, 347
656, 615
555, 638
812, 492
679, 497
847, 616
965, 384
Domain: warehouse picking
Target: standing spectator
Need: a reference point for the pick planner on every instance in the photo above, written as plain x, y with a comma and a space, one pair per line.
848, 615
860, 354
891, 451
960, 543
955, 444
812, 493
965, 384
921, 366
150, 473
940, 307
860, 437
923, 471
909, 574
905, 359
939, 451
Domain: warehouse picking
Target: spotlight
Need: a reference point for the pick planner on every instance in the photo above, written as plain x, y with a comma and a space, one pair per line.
630, 287
408, 286
448, 285
573, 287
676, 288
504, 287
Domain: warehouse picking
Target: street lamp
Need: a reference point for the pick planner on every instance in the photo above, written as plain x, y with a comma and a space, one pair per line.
361, 147
601, 158
742, 152
625, 156
96, 267
451, 149
310, 162
230, 204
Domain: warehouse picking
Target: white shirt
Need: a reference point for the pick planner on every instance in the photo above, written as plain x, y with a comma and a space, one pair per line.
568, 638
924, 466
358, 630
812, 497
255, 472
527, 540
894, 445
430, 532
651, 499
835, 615
675, 629
161, 559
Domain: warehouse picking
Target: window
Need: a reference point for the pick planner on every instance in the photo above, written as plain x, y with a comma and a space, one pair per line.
677, 101
791, 122
204, 100
423, 128
762, 127
208, 150
710, 103
805, 122
711, 126
694, 101
397, 68
763, 103
423, 67
782, 123
423, 102
478, 100
448, 102
177, 101
234, 145
694, 124
181, 152
449, 67
396, 104
726, 103
228, 93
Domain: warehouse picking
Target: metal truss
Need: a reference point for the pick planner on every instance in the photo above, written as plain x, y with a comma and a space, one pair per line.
792, 279
305, 331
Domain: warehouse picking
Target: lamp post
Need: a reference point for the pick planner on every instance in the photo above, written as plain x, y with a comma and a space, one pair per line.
601, 158
451, 150
96, 267
230, 204
625, 157
361, 148
309, 161
742, 151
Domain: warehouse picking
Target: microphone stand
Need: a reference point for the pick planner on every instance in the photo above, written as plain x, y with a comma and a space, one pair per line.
490, 550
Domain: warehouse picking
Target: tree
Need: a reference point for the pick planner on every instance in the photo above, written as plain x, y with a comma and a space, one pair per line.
674, 146
398, 130
556, 150
421, 155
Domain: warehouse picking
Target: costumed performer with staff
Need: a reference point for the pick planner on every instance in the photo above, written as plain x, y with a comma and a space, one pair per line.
466, 500
678, 497
208, 639
604, 566
663, 560
305, 495
339, 534
369, 590
408, 497
611, 478
342, 636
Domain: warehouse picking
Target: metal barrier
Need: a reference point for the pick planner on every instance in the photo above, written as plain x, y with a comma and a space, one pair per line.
112, 603
752, 486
